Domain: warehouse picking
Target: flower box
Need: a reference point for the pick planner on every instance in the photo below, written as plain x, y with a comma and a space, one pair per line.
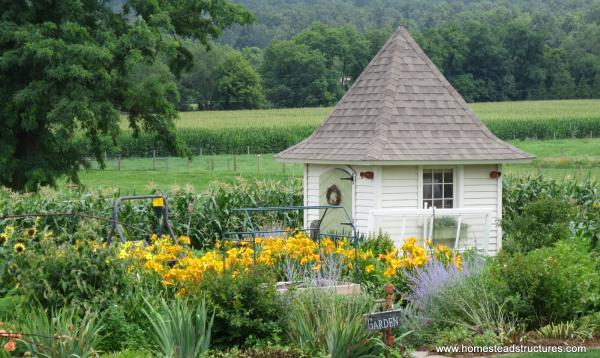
340, 288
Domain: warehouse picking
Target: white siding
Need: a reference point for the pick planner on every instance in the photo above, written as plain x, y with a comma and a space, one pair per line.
364, 199
399, 191
480, 190
311, 192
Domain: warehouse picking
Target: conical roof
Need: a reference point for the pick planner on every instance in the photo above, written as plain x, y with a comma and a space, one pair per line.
402, 109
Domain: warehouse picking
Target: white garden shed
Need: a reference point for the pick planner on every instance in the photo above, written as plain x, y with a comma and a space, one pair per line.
403, 154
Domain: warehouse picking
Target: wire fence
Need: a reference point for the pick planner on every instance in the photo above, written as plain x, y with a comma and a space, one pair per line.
232, 163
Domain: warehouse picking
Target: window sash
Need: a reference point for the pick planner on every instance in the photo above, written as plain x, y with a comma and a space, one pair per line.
438, 188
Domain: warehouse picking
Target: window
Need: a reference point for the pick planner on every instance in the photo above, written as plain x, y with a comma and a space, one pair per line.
438, 188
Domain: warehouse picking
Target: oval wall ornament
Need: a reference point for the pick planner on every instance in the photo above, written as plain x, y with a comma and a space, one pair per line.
333, 195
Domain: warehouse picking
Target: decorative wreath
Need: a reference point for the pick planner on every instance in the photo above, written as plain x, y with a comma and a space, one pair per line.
333, 195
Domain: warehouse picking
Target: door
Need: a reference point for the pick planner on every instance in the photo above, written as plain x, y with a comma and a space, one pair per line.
335, 188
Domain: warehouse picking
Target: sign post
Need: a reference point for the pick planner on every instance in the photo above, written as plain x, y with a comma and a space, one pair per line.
385, 320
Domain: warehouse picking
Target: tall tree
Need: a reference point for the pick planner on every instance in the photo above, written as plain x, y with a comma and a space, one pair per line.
68, 68
238, 84
294, 75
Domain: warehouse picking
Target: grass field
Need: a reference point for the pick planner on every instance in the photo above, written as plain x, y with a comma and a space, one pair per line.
542, 110
560, 159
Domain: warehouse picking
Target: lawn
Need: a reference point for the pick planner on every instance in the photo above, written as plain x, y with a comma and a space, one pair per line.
542, 110
560, 158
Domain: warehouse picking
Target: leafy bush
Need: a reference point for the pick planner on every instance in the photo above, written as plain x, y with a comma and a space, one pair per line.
548, 285
247, 307
259, 352
540, 223
180, 329
320, 321
57, 275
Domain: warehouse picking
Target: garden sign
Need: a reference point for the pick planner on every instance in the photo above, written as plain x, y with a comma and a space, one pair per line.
382, 320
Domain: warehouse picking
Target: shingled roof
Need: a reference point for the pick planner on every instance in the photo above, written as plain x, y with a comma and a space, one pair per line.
402, 109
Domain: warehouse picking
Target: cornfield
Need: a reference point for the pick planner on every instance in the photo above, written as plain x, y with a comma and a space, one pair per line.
273, 130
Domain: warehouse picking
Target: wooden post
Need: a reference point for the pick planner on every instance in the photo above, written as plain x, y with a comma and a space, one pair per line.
248, 148
258, 163
154, 159
228, 162
234, 163
389, 305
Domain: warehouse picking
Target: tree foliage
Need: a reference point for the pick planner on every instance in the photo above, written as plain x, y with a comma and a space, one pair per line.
70, 67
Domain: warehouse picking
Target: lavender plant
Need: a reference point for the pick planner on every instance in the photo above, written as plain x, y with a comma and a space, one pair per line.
428, 281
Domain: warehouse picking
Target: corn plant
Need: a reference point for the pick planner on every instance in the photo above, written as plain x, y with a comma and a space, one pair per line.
179, 328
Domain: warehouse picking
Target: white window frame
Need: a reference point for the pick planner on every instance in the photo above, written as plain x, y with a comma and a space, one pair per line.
457, 179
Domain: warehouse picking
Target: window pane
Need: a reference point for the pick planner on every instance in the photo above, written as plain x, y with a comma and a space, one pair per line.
437, 191
448, 204
426, 204
427, 176
448, 191
437, 176
448, 176
427, 192
438, 204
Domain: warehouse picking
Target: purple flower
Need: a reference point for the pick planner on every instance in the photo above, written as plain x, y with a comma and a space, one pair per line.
427, 281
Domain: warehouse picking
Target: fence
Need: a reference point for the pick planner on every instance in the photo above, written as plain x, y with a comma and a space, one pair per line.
157, 161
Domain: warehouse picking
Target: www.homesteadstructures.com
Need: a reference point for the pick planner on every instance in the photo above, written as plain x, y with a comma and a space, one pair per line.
404, 154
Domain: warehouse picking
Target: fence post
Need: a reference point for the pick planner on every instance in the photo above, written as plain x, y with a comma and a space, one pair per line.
167, 162
228, 162
248, 149
105, 156
258, 163
389, 305
119, 163
153, 159
234, 163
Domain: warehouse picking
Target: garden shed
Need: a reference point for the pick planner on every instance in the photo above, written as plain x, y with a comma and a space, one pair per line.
403, 154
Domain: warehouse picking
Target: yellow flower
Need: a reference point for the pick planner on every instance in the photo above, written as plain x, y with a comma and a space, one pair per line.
48, 234
597, 205
184, 240
458, 262
370, 268
19, 248
350, 266
31, 231
153, 238
3, 238
389, 272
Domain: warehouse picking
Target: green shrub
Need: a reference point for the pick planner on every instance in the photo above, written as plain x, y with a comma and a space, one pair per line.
247, 307
550, 284
58, 275
472, 303
540, 223
259, 352
321, 321
180, 329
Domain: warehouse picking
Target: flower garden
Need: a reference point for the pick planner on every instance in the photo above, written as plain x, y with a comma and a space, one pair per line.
65, 292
